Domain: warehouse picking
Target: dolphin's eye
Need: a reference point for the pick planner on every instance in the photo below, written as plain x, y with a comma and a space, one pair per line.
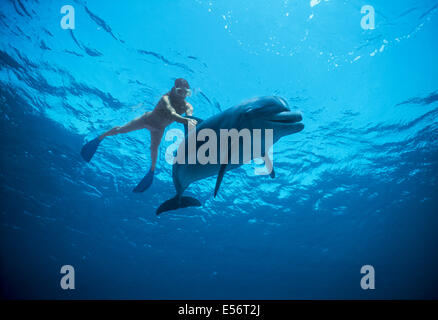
264, 108
250, 109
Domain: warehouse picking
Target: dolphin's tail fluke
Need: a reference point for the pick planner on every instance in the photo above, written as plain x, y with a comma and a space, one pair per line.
178, 202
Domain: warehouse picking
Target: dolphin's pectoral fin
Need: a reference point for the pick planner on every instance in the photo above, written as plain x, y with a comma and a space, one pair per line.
220, 176
221, 173
269, 166
186, 129
178, 202
272, 174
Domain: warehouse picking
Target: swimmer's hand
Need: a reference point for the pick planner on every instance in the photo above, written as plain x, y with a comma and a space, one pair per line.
191, 122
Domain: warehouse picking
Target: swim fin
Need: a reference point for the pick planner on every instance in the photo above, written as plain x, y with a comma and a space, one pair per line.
178, 202
89, 149
145, 183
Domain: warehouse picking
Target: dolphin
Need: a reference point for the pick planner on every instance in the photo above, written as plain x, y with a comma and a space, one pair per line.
270, 112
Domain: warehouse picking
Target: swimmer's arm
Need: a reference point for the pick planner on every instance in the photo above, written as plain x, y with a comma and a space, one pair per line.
175, 116
189, 110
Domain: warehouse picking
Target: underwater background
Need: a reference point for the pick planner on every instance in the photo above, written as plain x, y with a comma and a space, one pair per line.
358, 186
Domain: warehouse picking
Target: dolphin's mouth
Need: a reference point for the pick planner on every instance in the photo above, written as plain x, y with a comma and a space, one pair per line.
287, 117
288, 120
283, 121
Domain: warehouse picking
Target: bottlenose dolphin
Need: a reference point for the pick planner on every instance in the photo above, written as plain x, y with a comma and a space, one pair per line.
269, 112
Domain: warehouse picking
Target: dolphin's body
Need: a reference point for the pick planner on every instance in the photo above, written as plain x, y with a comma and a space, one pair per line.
260, 113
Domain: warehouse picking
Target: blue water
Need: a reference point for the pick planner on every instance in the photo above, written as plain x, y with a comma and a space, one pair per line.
358, 186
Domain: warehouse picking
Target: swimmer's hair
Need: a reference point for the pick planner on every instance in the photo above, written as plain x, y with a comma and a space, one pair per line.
181, 83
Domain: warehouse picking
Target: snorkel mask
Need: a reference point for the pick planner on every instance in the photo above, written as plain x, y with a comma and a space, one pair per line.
183, 92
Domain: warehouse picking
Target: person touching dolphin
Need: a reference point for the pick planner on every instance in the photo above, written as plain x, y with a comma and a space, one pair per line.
169, 109
257, 115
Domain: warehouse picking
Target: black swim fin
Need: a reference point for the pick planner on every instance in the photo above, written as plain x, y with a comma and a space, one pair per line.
145, 183
178, 202
89, 149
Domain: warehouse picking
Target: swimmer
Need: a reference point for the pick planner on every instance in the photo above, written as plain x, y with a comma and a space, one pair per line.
168, 110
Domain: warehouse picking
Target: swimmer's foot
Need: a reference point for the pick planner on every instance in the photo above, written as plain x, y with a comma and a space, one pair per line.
145, 183
89, 149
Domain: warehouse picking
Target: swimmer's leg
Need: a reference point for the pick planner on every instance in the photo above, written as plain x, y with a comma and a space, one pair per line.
146, 182
136, 124
156, 136
90, 148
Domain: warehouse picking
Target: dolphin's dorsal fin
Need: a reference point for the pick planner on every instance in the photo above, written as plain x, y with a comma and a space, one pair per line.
186, 129
220, 176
